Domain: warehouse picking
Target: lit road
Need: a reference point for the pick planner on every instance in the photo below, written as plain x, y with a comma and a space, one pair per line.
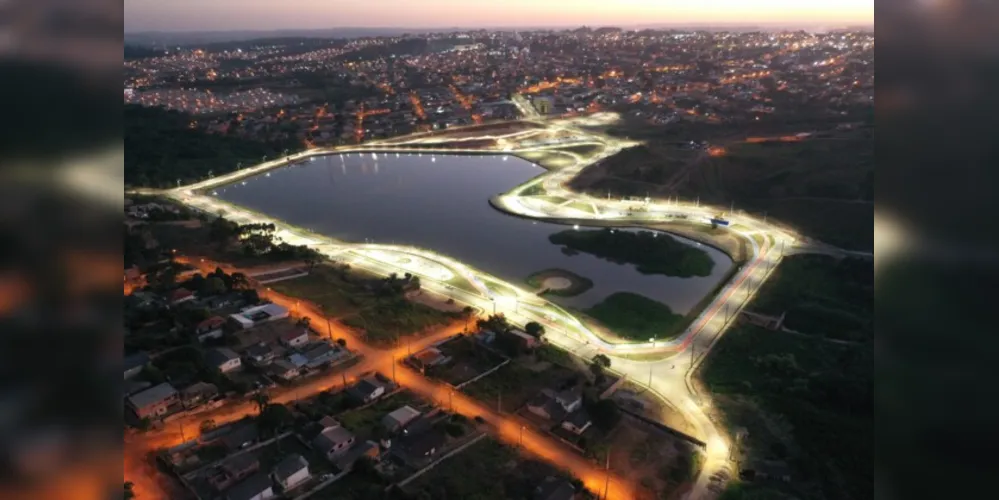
669, 378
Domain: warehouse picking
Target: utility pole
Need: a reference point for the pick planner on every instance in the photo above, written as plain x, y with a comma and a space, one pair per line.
521, 436
650, 375
180, 425
343, 375
499, 402
393, 370
329, 329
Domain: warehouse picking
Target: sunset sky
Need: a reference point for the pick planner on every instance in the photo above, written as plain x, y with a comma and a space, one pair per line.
203, 15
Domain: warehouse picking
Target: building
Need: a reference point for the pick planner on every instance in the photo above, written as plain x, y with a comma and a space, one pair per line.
284, 370
554, 489
415, 448
295, 338
577, 422
233, 470
256, 487
333, 442
431, 356
257, 315
321, 353
260, 354
241, 437
524, 340
291, 472
181, 295
197, 394
223, 359
135, 363
399, 418
155, 401
210, 328
367, 390
369, 449
570, 399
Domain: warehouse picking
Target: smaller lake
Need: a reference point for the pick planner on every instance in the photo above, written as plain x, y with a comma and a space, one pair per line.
440, 202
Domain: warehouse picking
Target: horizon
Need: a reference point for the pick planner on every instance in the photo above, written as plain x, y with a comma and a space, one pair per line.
193, 16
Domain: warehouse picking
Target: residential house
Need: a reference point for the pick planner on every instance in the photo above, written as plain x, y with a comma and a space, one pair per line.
333, 442
368, 449
234, 299
233, 470
284, 370
261, 354
431, 356
291, 472
181, 295
321, 353
554, 489
155, 401
223, 359
295, 338
524, 340
256, 487
241, 437
545, 406
367, 390
211, 328
577, 422
399, 418
257, 315
198, 394
570, 399
135, 363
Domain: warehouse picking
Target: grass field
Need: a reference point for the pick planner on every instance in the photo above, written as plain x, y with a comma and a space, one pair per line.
804, 399
635, 317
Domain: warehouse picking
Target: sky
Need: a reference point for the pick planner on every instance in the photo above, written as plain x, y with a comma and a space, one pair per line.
225, 15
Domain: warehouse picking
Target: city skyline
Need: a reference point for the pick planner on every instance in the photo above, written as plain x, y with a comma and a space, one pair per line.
232, 15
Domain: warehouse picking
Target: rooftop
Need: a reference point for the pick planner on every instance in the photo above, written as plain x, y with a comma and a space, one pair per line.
249, 488
152, 395
289, 466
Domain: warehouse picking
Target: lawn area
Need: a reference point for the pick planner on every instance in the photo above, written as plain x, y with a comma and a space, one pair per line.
651, 252
513, 384
818, 395
487, 470
327, 288
577, 284
822, 296
635, 317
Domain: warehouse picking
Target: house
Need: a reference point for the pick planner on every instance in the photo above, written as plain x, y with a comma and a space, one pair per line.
257, 315
223, 359
333, 442
431, 356
321, 353
155, 401
181, 295
368, 449
211, 328
570, 399
135, 363
524, 340
291, 472
554, 489
284, 370
233, 470
399, 418
577, 422
260, 354
241, 437
295, 338
197, 394
545, 406
367, 390
256, 487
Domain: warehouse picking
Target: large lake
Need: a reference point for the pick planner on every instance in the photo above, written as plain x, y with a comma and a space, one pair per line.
441, 203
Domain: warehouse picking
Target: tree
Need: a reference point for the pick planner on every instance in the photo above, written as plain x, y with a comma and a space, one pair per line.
468, 311
240, 281
342, 342
273, 418
534, 329
602, 360
128, 491
261, 399
605, 414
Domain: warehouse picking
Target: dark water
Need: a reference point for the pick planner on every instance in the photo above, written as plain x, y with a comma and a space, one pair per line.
441, 203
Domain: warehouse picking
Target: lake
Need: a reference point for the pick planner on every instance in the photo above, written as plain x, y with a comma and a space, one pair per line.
440, 202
